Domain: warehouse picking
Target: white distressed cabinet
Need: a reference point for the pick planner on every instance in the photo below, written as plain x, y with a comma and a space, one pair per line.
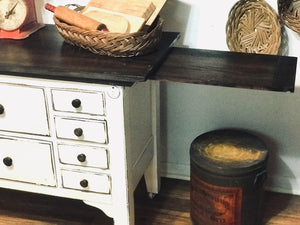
91, 142
78, 125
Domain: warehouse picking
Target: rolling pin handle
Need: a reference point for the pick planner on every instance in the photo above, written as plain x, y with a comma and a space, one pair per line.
50, 7
74, 18
102, 27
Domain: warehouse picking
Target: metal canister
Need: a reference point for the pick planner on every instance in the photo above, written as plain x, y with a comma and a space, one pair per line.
228, 171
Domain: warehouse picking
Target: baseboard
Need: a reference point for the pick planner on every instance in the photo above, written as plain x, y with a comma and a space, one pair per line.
275, 183
176, 171
281, 184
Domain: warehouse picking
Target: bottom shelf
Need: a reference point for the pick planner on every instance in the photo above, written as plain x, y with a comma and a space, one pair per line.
171, 206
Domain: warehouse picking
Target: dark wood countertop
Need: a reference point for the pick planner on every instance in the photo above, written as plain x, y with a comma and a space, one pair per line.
229, 69
45, 55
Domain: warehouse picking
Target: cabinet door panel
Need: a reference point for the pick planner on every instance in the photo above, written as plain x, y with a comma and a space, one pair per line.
24, 110
26, 161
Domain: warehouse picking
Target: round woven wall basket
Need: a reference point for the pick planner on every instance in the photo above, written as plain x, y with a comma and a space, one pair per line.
112, 44
289, 12
253, 27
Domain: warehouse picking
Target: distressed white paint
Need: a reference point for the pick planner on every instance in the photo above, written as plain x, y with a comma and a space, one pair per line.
95, 156
96, 182
119, 146
94, 131
31, 161
16, 100
189, 110
62, 101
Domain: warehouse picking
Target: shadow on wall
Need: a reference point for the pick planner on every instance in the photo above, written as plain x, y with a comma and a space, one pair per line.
284, 46
297, 91
39, 5
176, 16
275, 165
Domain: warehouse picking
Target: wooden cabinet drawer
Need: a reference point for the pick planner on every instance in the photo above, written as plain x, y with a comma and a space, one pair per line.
84, 130
77, 101
83, 156
26, 161
23, 109
86, 181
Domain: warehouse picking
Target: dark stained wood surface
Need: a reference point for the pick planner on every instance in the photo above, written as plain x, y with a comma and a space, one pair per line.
230, 69
45, 55
170, 207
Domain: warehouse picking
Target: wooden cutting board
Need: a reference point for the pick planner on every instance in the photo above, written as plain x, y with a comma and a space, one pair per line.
138, 8
113, 22
158, 6
136, 12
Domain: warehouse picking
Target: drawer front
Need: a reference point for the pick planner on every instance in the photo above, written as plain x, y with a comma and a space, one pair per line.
23, 109
26, 161
83, 156
84, 130
86, 181
80, 102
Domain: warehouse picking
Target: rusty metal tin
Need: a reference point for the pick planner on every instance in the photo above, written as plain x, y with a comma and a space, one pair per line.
228, 170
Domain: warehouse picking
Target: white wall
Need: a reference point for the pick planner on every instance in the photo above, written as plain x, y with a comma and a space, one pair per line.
189, 110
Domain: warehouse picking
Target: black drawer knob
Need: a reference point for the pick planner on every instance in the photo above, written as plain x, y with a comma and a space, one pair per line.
1, 109
84, 183
78, 132
76, 103
8, 161
81, 158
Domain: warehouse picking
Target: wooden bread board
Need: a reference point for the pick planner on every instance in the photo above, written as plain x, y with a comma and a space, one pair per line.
134, 23
113, 22
158, 6
138, 8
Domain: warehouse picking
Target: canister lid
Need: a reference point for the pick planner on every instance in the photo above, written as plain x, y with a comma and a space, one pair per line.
228, 152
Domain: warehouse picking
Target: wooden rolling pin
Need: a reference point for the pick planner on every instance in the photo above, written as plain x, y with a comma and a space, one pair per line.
74, 18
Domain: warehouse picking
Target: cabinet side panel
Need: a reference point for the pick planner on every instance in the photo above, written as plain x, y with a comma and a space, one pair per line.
138, 128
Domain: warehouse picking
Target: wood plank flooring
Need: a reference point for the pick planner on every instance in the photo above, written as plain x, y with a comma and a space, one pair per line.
170, 207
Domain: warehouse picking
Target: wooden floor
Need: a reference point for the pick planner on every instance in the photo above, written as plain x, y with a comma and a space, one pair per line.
171, 206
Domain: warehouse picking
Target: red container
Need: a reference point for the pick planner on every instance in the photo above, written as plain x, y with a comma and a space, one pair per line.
228, 170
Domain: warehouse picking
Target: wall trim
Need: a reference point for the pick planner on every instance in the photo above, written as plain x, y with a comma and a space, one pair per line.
280, 184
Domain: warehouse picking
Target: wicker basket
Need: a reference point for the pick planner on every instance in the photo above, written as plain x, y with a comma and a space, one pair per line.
289, 12
112, 44
253, 27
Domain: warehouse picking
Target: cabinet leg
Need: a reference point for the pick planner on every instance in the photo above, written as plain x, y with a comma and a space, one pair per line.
152, 178
152, 174
124, 214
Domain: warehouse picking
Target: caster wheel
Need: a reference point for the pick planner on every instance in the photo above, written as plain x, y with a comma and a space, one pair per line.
151, 195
